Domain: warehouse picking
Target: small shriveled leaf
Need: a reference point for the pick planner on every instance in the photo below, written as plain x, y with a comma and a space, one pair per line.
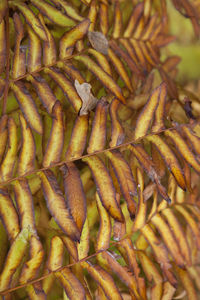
70, 38
97, 139
54, 147
27, 153
88, 100
98, 41
75, 197
57, 205
105, 187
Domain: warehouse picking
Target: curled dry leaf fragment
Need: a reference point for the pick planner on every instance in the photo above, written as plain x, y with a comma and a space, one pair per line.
89, 101
98, 41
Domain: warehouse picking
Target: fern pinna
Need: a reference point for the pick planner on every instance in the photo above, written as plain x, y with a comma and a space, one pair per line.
99, 153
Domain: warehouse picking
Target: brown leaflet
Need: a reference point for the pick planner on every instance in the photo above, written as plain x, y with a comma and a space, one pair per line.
178, 233
140, 219
103, 17
103, 279
152, 274
66, 86
134, 19
57, 205
8, 162
14, 258
88, 100
146, 163
117, 131
78, 137
117, 28
160, 252
31, 19
43, 90
55, 15
98, 41
49, 46
124, 275
34, 51
150, 26
126, 57
104, 233
158, 161
9, 215
171, 86
27, 153
134, 267
75, 197
69, 39
145, 118
2, 46
107, 80
70, 246
183, 148
190, 221
170, 63
119, 66
97, 139
54, 261
168, 239
105, 187
2, 86
19, 58
27, 106
134, 65
150, 59
102, 60
169, 158
72, 286
24, 203
3, 134
125, 179
54, 147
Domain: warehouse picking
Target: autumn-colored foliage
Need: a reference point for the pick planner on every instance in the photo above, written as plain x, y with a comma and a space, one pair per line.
99, 153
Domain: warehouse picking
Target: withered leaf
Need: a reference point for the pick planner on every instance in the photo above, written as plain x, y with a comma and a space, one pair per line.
84, 92
98, 41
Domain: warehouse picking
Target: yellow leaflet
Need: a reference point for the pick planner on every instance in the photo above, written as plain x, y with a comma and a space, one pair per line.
24, 202
57, 205
193, 138
55, 15
71, 71
27, 106
104, 234
102, 60
107, 80
140, 219
34, 51
84, 245
54, 147
117, 21
92, 15
2, 46
97, 139
27, 153
103, 16
133, 20
187, 283
70, 38
71, 246
7, 164
169, 158
70, 11
103, 279
105, 187
3, 8
9, 215
3, 134
31, 19
117, 131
